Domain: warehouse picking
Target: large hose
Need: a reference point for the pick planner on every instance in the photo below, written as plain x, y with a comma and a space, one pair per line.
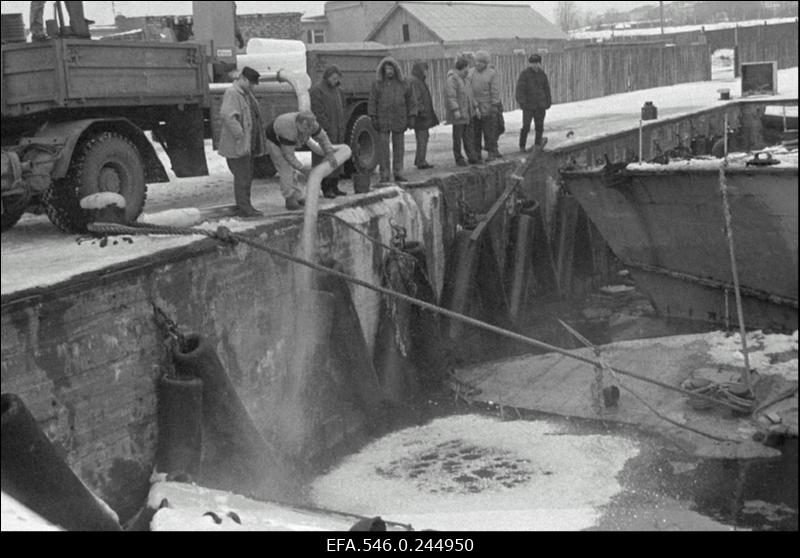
34, 474
308, 246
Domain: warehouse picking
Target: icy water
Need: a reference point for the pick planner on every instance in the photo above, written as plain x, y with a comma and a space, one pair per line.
467, 468
477, 472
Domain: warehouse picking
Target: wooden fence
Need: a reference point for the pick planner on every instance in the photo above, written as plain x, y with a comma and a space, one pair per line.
588, 72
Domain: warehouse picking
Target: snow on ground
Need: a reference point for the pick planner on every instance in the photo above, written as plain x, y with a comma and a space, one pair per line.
35, 253
188, 506
18, 517
787, 159
473, 473
655, 31
769, 354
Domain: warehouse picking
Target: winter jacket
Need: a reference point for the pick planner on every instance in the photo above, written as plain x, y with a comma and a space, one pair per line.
327, 104
235, 137
459, 98
425, 117
391, 102
533, 90
486, 89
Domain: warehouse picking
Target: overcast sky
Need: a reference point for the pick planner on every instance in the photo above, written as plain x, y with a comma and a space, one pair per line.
103, 12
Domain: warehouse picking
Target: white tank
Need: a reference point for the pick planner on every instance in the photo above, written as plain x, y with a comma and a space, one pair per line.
271, 55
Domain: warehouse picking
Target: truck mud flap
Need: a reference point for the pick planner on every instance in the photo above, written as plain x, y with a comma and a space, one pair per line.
182, 137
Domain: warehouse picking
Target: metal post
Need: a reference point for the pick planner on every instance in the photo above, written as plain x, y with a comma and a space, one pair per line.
641, 141
723, 186
661, 8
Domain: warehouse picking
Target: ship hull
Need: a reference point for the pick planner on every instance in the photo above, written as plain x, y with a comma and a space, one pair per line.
669, 228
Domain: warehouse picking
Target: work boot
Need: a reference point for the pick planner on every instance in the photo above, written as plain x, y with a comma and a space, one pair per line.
328, 194
461, 163
337, 192
399, 178
293, 204
248, 211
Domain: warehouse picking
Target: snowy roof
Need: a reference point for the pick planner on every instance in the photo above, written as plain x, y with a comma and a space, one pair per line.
454, 21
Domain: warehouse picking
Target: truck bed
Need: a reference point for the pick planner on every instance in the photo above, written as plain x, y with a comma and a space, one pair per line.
76, 73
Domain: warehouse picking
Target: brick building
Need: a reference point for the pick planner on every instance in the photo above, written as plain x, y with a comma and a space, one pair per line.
271, 26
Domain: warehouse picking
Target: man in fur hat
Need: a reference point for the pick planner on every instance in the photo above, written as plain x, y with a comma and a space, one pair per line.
391, 109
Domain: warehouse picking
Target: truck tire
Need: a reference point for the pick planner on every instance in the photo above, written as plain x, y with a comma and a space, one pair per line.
107, 162
13, 208
364, 143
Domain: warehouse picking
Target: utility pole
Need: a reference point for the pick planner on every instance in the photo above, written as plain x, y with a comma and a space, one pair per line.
661, 9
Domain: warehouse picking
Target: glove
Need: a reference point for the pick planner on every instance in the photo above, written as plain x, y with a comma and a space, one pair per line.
478, 114
412, 120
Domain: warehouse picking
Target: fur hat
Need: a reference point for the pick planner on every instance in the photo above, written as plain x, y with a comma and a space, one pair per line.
535, 59
482, 56
330, 70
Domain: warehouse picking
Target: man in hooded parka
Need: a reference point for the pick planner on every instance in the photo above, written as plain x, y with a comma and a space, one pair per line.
391, 109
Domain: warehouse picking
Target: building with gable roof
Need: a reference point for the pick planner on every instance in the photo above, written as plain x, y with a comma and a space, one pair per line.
445, 29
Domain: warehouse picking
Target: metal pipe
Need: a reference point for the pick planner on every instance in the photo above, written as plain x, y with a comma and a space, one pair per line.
641, 141
301, 84
723, 186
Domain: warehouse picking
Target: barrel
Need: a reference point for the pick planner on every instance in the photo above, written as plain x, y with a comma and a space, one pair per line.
13, 28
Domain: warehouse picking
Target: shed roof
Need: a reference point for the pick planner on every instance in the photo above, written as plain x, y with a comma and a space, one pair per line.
461, 21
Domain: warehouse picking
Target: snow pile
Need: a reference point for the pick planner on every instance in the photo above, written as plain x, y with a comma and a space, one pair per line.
18, 517
786, 158
193, 508
102, 199
770, 354
473, 473
186, 217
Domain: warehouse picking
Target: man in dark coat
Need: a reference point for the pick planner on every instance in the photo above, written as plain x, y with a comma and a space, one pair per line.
327, 104
391, 108
533, 96
425, 118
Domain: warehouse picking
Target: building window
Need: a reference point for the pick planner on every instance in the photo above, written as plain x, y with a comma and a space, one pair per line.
406, 33
314, 36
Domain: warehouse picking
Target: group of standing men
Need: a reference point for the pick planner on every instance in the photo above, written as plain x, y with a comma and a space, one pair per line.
395, 105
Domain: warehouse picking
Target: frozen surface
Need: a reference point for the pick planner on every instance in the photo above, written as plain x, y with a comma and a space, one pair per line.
768, 353
473, 473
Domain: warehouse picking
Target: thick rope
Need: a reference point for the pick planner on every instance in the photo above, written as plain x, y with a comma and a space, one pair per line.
226, 235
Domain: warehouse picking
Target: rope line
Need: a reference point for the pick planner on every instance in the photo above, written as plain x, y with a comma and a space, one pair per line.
224, 234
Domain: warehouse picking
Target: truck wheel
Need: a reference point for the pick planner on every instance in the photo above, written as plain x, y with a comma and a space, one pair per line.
13, 209
105, 163
263, 167
364, 143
